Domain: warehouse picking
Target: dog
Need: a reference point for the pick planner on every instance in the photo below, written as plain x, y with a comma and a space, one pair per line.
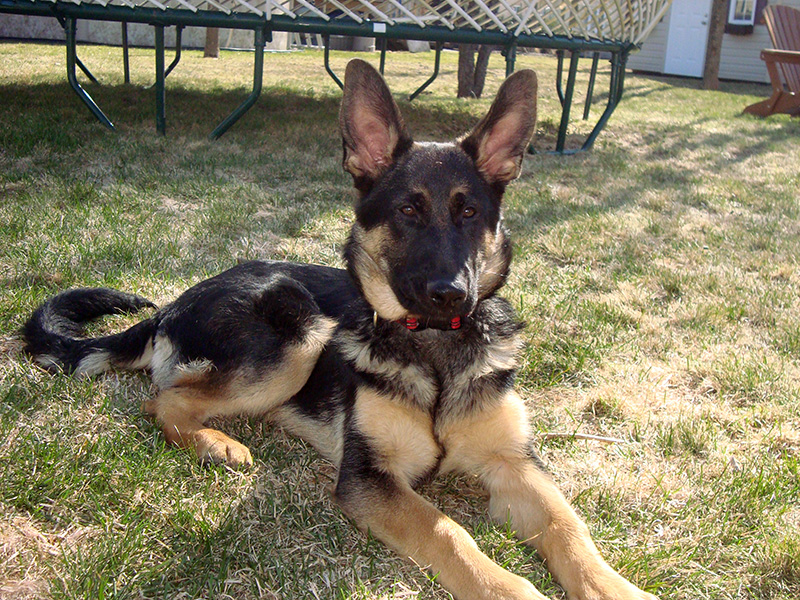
398, 368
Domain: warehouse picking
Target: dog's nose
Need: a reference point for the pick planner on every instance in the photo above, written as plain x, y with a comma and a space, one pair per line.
445, 293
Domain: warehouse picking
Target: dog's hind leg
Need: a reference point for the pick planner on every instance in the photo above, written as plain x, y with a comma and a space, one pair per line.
183, 408
495, 444
182, 412
226, 351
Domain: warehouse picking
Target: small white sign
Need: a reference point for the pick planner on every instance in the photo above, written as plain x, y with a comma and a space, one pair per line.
379, 27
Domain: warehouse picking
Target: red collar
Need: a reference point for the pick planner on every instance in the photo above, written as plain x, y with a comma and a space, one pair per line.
413, 324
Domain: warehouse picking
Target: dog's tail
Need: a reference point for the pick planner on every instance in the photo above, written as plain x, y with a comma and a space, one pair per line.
53, 333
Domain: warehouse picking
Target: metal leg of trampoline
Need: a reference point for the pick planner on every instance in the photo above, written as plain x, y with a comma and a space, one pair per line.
623, 61
382, 43
560, 75
433, 77
326, 41
86, 71
258, 74
72, 61
511, 58
567, 103
161, 118
126, 65
78, 62
590, 90
618, 61
177, 59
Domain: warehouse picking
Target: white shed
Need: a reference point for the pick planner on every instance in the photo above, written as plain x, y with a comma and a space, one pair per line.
677, 45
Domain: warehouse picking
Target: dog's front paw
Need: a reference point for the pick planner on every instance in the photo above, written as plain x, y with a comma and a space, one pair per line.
503, 585
216, 447
610, 585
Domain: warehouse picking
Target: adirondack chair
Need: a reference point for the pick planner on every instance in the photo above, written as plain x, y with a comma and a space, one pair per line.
783, 62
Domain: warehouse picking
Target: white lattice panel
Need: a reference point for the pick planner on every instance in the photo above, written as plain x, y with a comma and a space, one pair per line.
618, 20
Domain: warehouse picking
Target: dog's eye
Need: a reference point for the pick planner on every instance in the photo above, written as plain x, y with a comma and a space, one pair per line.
408, 210
468, 212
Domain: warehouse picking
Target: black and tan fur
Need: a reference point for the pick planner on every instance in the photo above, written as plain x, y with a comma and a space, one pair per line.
324, 352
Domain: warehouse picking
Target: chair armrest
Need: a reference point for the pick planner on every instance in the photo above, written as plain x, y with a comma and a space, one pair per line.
780, 56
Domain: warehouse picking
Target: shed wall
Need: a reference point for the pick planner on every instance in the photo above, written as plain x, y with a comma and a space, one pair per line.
739, 60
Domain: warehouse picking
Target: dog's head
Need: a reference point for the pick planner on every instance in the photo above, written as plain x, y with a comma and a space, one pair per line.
428, 240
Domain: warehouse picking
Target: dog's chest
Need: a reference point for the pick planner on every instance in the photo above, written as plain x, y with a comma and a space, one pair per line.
413, 385
440, 373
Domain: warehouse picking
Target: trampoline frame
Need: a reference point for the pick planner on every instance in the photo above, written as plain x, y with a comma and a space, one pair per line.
68, 14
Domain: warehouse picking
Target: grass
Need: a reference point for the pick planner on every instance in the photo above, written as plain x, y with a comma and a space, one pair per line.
658, 276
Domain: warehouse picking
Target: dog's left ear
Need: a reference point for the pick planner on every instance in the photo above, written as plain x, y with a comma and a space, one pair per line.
373, 132
498, 142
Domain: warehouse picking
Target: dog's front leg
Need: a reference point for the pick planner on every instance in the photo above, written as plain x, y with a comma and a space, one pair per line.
495, 444
387, 444
414, 528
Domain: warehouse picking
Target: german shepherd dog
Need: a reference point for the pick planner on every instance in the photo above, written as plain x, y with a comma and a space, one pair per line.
399, 368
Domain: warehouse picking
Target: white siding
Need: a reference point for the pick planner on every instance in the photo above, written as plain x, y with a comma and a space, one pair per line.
739, 60
107, 32
654, 49
741, 56
26, 26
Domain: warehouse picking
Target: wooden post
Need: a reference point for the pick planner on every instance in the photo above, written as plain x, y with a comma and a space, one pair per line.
212, 43
716, 29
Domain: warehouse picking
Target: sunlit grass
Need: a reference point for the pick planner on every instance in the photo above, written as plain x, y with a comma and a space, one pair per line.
658, 276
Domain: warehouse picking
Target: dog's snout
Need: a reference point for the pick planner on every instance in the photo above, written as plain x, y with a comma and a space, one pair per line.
446, 294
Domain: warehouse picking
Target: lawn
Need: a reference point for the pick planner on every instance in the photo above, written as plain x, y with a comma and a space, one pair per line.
659, 277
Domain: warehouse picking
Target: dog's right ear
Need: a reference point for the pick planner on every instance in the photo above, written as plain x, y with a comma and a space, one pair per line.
373, 132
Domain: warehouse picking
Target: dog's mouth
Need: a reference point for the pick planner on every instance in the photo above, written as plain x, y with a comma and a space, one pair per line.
437, 309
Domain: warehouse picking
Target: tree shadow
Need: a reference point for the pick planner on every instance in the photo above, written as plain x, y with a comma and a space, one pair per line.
665, 82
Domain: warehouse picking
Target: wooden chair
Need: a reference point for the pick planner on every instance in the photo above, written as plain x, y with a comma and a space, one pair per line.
783, 62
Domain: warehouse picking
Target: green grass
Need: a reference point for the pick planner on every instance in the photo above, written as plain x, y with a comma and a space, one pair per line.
658, 276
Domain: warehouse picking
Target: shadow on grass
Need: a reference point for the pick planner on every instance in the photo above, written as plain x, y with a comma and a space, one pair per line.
667, 82
61, 115
53, 114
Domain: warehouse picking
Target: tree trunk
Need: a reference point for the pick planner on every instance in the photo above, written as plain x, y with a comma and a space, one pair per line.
212, 43
716, 29
472, 73
466, 70
481, 65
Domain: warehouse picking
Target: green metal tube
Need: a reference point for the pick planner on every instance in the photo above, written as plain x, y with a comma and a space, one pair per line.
590, 90
258, 75
69, 28
511, 58
161, 117
618, 60
126, 65
562, 129
560, 76
433, 77
326, 57
86, 71
623, 61
382, 42
177, 59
